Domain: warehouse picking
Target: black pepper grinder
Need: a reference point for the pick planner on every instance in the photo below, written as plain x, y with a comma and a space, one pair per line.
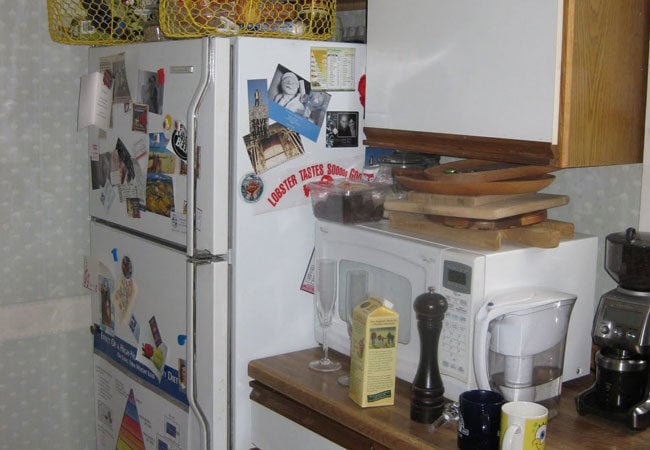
426, 393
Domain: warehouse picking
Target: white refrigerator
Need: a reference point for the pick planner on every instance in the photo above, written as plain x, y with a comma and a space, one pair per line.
201, 227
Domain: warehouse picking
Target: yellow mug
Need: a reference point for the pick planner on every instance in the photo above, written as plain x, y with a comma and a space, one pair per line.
523, 426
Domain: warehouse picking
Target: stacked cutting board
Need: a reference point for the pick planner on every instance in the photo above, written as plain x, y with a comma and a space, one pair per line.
480, 203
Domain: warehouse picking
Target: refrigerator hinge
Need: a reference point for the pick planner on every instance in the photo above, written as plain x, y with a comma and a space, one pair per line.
204, 257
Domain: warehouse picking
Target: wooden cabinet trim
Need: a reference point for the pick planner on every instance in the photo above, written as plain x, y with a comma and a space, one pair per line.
604, 82
351, 5
498, 149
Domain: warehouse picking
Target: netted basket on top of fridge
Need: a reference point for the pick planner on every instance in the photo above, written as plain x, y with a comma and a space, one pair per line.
297, 19
100, 22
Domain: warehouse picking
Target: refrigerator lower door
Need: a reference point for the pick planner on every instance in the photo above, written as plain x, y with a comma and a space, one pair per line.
132, 416
138, 291
138, 306
212, 350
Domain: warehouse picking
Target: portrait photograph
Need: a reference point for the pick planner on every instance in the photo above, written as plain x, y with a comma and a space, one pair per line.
342, 129
291, 103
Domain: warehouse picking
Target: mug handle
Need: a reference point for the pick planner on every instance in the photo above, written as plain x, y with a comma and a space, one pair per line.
509, 436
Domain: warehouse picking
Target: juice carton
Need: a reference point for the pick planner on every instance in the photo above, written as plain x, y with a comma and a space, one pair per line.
373, 355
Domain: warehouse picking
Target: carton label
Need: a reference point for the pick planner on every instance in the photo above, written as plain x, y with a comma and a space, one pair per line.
379, 396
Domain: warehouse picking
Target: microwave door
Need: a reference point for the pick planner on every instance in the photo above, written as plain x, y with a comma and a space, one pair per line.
398, 270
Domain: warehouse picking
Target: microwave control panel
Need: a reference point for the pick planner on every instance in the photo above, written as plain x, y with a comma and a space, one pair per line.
461, 283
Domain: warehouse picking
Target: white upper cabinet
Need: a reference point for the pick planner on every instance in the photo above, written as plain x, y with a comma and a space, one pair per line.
481, 68
541, 82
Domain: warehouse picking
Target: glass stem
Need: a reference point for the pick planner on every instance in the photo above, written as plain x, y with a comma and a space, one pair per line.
325, 347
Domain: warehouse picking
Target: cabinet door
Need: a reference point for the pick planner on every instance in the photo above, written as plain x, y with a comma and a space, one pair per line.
555, 82
464, 67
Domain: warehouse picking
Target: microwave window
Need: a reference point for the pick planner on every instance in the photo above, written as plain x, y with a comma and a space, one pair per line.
381, 284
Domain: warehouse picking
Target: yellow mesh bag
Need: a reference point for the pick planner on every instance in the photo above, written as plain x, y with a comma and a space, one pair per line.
99, 22
298, 19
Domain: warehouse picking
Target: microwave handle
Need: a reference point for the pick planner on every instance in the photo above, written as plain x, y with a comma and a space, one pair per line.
483, 318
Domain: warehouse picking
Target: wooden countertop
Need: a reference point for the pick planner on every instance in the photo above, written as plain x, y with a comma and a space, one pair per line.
287, 377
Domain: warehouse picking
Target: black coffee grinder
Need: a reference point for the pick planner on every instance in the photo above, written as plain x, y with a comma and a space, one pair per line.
622, 331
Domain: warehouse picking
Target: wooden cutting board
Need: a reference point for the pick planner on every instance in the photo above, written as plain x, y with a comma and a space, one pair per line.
519, 220
458, 200
547, 234
504, 207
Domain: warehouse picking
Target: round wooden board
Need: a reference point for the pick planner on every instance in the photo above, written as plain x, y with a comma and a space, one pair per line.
476, 171
504, 187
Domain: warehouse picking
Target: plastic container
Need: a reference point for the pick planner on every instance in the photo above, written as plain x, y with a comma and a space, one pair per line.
402, 163
347, 201
399, 161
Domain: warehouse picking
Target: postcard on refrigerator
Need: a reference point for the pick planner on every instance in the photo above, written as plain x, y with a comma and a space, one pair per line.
95, 100
293, 104
332, 69
115, 63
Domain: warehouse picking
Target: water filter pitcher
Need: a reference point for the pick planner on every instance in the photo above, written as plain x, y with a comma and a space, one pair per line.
519, 343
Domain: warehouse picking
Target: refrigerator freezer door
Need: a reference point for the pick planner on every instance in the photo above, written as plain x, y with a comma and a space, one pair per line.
137, 168
283, 149
138, 299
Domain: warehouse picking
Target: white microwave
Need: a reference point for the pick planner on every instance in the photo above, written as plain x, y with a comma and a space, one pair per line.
402, 265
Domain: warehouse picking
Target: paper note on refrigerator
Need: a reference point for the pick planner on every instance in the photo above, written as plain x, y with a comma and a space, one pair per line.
95, 100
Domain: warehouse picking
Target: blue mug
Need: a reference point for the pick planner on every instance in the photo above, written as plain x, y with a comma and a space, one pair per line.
479, 420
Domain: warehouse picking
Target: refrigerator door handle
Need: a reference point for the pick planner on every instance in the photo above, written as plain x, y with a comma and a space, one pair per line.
192, 112
205, 257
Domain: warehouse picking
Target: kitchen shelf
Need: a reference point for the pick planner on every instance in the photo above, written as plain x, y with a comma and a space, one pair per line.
284, 384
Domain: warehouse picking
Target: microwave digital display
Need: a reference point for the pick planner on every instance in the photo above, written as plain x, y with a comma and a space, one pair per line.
457, 277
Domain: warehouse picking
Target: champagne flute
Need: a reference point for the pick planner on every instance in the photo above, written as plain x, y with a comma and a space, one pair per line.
325, 298
356, 292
